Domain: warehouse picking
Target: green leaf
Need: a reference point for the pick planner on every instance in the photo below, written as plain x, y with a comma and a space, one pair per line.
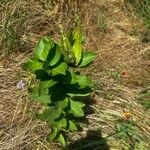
70, 77
57, 92
42, 75
43, 48
65, 42
83, 81
52, 135
49, 115
57, 55
72, 126
62, 104
62, 123
32, 65
77, 108
75, 78
43, 98
60, 69
45, 85
87, 59
62, 140
48, 71
77, 46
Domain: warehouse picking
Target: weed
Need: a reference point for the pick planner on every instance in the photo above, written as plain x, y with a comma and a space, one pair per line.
127, 131
144, 98
142, 10
59, 87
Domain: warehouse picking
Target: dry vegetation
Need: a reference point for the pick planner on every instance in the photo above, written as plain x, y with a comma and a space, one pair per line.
120, 73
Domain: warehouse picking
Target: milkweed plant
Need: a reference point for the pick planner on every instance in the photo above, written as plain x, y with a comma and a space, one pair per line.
59, 86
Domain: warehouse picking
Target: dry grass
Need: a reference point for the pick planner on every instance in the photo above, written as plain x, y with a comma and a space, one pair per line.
18, 129
24, 22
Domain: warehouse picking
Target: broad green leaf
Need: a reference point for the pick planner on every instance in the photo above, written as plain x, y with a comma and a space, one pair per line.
74, 77
45, 85
32, 65
49, 72
70, 77
42, 75
62, 140
43, 98
62, 123
87, 59
62, 104
72, 126
43, 48
52, 135
49, 115
83, 81
79, 92
57, 92
57, 55
60, 69
76, 108
77, 46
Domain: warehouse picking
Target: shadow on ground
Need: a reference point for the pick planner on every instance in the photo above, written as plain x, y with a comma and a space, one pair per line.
92, 141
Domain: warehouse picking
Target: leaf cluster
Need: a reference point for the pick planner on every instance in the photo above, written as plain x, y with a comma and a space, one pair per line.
59, 87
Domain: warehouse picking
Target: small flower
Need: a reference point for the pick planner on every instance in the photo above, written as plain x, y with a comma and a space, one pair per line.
127, 115
20, 85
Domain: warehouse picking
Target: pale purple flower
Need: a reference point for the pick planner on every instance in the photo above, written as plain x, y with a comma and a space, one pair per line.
20, 85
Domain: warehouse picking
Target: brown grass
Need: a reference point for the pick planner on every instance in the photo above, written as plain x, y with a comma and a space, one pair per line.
117, 51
